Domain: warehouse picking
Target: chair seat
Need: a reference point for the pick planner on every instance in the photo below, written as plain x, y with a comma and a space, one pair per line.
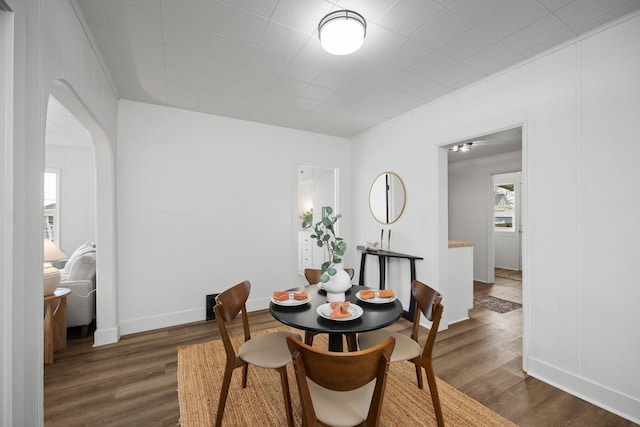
347, 408
405, 349
267, 351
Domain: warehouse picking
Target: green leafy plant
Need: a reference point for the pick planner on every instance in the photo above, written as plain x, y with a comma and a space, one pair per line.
307, 218
325, 235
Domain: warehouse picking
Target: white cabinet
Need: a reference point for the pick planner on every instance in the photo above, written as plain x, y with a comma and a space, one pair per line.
305, 251
460, 296
310, 255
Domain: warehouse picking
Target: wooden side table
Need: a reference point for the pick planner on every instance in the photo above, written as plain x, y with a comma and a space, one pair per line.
55, 323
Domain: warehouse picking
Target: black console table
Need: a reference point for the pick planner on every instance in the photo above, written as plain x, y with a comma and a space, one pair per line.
382, 261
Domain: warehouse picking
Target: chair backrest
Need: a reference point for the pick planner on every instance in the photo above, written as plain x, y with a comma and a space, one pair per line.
313, 274
229, 304
428, 302
341, 372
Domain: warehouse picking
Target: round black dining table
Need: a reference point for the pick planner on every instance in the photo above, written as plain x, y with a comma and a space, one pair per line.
305, 316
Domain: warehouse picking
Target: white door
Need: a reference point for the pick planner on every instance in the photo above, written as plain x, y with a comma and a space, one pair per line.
507, 227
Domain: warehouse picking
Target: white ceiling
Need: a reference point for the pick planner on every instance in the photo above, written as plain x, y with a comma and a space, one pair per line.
63, 128
261, 60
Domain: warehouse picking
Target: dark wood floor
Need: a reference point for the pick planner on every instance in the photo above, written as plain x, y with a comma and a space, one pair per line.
133, 382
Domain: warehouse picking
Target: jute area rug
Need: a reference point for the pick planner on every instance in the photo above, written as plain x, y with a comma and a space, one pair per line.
201, 367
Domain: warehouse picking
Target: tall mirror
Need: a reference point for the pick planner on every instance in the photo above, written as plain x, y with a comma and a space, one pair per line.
387, 198
317, 188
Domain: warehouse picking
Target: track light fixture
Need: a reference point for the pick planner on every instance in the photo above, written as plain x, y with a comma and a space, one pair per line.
461, 147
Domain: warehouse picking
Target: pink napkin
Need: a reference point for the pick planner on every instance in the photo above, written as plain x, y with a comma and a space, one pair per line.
370, 293
283, 296
340, 309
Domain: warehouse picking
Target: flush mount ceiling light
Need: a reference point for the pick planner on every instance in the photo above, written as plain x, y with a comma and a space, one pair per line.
342, 32
461, 147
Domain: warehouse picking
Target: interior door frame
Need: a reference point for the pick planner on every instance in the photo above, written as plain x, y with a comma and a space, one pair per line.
6, 213
443, 168
107, 321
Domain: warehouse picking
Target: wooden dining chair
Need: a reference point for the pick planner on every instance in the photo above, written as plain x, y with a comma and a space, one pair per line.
313, 274
341, 389
265, 351
428, 302
313, 277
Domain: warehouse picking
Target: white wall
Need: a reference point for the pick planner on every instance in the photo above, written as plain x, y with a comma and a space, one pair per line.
579, 105
470, 205
49, 44
6, 215
206, 202
77, 194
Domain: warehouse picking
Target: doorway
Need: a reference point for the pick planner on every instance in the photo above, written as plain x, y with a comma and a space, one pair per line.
69, 210
317, 189
107, 329
472, 215
471, 200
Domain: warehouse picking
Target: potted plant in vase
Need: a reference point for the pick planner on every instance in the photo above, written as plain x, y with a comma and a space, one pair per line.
334, 279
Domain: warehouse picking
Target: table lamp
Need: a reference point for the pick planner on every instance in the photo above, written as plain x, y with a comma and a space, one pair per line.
50, 273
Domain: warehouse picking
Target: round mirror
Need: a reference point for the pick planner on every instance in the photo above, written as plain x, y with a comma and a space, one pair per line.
387, 198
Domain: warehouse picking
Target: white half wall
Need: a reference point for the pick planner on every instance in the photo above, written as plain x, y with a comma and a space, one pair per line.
206, 202
580, 106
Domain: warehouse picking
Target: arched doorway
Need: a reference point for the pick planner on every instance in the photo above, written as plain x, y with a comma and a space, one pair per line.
107, 329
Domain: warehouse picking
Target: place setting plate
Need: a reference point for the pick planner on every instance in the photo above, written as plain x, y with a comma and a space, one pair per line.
325, 311
291, 302
375, 300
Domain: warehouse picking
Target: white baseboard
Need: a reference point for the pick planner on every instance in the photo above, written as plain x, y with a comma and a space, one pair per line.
143, 324
462, 319
105, 336
613, 401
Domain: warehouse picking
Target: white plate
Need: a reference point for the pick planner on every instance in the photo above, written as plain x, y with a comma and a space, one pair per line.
291, 301
376, 300
325, 311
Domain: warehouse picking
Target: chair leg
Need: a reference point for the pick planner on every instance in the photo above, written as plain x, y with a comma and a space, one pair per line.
308, 337
419, 375
352, 343
224, 392
433, 388
287, 396
245, 372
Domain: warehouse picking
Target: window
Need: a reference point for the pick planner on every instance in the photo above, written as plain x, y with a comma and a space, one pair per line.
52, 205
504, 207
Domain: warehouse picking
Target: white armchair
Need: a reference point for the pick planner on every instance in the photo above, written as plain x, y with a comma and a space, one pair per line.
79, 275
